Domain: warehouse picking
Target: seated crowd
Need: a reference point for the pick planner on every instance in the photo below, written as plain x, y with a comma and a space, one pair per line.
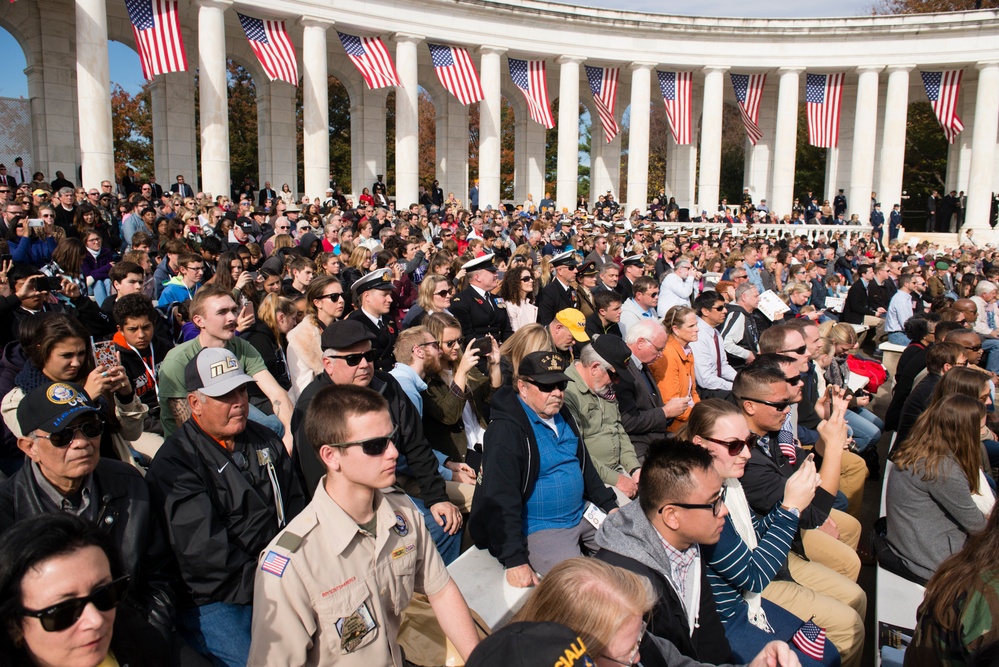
250, 432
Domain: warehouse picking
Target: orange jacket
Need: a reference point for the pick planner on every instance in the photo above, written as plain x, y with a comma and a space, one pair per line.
674, 374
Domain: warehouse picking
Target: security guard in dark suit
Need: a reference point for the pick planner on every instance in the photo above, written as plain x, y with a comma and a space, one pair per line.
625, 286
477, 310
373, 295
559, 293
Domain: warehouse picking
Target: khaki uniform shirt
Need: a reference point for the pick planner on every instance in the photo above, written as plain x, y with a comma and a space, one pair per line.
327, 592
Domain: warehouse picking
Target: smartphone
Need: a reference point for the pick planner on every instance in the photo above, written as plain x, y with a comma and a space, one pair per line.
36, 222
45, 284
483, 346
254, 274
104, 353
6, 258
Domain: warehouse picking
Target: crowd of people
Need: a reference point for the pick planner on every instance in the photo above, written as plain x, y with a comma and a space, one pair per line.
251, 430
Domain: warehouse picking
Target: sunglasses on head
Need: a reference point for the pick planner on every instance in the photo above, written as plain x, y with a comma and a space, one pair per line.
91, 428
371, 446
355, 359
65, 614
734, 446
548, 387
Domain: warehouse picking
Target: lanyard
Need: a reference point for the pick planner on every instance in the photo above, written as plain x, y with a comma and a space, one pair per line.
150, 370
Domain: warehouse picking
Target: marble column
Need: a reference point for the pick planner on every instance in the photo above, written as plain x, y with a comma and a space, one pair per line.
709, 182
759, 159
214, 103
452, 145
93, 86
567, 181
786, 139
605, 159
983, 149
638, 136
367, 140
529, 157
407, 120
282, 156
864, 138
489, 126
315, 106
174, 129
893, 139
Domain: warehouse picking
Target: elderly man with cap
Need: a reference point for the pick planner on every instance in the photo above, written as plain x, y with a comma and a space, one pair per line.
568, 332
65, 473
348, 358
539, 497
225, 487
591, 400
476, 308
373, 296
559, 293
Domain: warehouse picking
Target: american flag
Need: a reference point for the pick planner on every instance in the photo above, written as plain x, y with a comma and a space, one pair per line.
943, 88
529, 76
156, 24
457, 72
372, 60
676, 88
749, 92
274, 563
270, 41
603, 85
823, 99
810, 639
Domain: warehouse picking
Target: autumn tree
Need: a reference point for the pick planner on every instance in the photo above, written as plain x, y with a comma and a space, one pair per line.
132, 130
339, 133
427, 113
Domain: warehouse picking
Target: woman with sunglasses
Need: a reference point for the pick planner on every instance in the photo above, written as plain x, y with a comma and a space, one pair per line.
517, 292
434, 296
324, 302
752, 551
32, 245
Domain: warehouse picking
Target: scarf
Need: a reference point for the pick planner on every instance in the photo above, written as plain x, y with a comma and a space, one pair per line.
94, 253
742, 519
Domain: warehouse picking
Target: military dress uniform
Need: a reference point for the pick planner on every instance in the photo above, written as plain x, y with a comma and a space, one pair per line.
480, 315
385, 331
328, 592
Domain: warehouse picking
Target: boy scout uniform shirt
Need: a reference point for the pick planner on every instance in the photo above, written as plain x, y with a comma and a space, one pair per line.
326, 592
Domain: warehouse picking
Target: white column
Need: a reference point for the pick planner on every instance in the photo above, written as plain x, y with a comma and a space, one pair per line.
489, 126
367, 139
786, 139
282, 159
759, 158
174, 129
214, 103
567, 181
638, 136
864, 137
315, 106
407, 121
681, 161
893, 140
605, 159
711, 133
529, 157
983, 147
93, 86
452, 145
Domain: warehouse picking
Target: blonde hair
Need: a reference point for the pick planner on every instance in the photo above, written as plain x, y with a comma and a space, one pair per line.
839, 333
270, 306
425, 296
528, 338
589, 597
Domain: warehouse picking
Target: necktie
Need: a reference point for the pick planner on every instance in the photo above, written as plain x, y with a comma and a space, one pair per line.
718, 362
21, 169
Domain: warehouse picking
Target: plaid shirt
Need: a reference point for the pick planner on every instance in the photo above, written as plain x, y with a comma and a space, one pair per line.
679, 565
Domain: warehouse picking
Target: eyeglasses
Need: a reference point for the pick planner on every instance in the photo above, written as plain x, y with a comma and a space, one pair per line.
432, 343
734, 446
355, 359
443, 293
371, 446
780, 406
715, 507
798, 350
196, 269
451, 343
653, 295
91, 428
634, 651
65, 614
548, 387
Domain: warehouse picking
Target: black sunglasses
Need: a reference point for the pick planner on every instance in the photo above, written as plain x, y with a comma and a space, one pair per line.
548, 387
715, 507
91, 428
65, 614
355, 359
443, 293
776, 405
334, 297
796, 380
527, 279
371, 446
798, 350
734, 446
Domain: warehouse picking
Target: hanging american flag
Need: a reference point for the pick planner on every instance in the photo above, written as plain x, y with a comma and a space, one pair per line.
269, 40
676, 88
943, 88
823, 99
810, 639
749, 92
371, 59
156, 24
603, 85
457, 72
529, 76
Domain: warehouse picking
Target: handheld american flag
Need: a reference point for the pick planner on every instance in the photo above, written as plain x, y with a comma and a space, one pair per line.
269, 40
748, 92
823, 97
156, 24
603, 85
810, 639
942, 88
529, 76
457, 72
676, 88
371, 59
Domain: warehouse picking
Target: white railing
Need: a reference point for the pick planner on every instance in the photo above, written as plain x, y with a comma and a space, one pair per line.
812, 232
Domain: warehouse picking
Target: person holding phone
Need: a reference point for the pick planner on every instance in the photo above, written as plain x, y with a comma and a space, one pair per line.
28, 244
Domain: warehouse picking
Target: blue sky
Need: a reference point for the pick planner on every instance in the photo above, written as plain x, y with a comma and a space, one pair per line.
125, 68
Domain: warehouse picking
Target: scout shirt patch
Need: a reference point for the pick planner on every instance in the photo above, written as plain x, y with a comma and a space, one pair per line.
401, 528
403, 550
274, 563
354, 628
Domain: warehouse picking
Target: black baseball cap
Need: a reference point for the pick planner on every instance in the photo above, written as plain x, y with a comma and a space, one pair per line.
51, 407
341, 334
531, 645
543, 367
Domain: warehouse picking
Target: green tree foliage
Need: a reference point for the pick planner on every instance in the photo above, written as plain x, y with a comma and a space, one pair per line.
243, 157
132, 129
507, 145
586, 131
339, 129
733, 157
928, 6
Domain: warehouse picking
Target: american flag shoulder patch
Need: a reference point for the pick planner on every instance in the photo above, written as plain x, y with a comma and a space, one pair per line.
274, 563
